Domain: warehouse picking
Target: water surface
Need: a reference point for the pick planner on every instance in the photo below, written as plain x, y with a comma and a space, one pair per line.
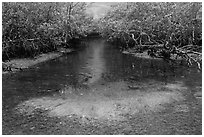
94, 82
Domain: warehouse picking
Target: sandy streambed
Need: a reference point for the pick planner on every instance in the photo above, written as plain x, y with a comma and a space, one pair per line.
107, 101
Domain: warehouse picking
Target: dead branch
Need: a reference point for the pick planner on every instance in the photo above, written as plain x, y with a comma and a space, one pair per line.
189, 56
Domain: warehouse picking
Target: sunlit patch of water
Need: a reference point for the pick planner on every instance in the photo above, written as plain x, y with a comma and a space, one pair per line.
111, 101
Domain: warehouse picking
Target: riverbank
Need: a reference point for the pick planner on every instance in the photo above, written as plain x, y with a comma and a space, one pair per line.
187, 59
19, 64
134, 52
140, 55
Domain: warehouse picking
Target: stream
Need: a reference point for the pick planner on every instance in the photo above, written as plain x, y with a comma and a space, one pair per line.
98, 83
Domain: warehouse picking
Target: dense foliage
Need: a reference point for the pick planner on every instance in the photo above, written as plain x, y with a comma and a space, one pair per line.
32, 28
174, 25
154, 23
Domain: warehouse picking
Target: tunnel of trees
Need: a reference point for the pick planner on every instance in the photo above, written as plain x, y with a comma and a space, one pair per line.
163, 29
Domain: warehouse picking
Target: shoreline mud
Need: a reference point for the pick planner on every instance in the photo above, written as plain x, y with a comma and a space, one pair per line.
16, 65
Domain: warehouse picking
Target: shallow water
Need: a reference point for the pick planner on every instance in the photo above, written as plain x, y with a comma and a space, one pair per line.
94, 82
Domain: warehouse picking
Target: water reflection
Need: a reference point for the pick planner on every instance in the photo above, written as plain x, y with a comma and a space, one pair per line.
96, 62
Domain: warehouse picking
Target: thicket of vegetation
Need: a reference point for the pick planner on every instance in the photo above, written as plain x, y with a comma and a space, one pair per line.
33, 28
174, 27
151, 23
